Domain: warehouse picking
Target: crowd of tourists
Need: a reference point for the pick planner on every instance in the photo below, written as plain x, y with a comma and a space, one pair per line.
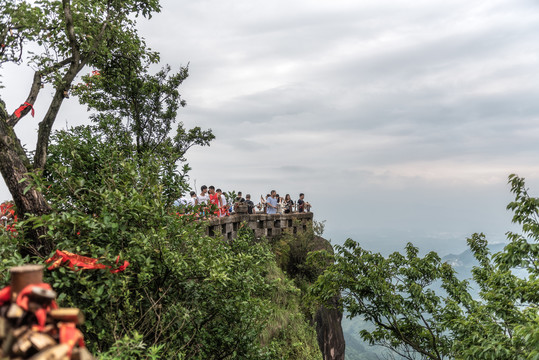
213, 198
275, 204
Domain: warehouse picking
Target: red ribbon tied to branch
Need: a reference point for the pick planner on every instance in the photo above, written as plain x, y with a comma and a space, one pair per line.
21, 108
77, 262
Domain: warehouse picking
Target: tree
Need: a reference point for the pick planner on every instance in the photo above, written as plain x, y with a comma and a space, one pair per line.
143, 107
69, 35
420, 309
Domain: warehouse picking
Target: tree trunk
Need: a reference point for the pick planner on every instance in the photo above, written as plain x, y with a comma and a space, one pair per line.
14, 167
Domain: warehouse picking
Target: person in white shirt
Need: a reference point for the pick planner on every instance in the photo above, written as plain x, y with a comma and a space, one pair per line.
203, 198
182, 201
193, 201
222, 203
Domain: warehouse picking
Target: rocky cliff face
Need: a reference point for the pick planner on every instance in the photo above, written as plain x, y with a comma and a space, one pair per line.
329, 333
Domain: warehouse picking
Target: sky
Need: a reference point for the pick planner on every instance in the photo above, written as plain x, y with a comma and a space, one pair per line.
399, 120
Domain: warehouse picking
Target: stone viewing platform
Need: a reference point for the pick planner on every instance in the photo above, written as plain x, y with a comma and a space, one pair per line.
263, 225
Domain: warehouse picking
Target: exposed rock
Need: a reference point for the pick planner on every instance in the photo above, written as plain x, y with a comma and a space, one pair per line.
329, 333
328, 319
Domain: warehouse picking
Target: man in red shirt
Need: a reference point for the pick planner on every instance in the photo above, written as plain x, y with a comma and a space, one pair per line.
214, 198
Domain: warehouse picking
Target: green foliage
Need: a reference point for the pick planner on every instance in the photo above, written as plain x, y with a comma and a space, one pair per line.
91, 154
147, 105
136, 112
9, 255
191, 293
397, 295
287, 333
100, 31
58, 39
230, 197
292, 251
391, 293
128, 348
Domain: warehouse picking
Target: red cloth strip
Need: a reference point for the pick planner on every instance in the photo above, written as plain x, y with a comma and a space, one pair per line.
77, 262
21, 108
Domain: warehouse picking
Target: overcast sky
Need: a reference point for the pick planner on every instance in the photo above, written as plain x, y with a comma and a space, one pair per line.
400, 120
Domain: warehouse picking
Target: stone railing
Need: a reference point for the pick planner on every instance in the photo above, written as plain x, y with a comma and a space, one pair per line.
263, 225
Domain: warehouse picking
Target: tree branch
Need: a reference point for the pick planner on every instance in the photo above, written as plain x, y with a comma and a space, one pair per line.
394, 327
8, 138
432, 334
99, 37
35, 88
32, 96
45, 126
70, 30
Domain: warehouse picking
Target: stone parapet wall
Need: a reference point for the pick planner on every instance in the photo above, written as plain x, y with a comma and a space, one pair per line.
263, 225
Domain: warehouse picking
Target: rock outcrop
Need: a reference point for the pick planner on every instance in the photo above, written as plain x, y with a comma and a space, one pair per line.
328, 319
329, 333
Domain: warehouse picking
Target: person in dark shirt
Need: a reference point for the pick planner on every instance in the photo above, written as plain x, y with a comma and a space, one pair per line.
250, 204
239, 198
288, 204
303, 206
301, 203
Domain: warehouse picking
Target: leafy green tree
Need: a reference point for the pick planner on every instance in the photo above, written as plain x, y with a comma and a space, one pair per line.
64, 37
138, 110
400, 295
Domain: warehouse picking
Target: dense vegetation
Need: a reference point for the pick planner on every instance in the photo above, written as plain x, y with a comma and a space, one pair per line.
184, 295
396, 294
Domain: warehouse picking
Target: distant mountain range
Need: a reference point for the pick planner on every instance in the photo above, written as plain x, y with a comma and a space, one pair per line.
466, 259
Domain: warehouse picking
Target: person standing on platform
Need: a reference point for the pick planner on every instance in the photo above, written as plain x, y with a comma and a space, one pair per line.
271, 203
303, 206
288, 204
239, 197
222, 203
203, 198
215, 200
250, 204
193, 201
